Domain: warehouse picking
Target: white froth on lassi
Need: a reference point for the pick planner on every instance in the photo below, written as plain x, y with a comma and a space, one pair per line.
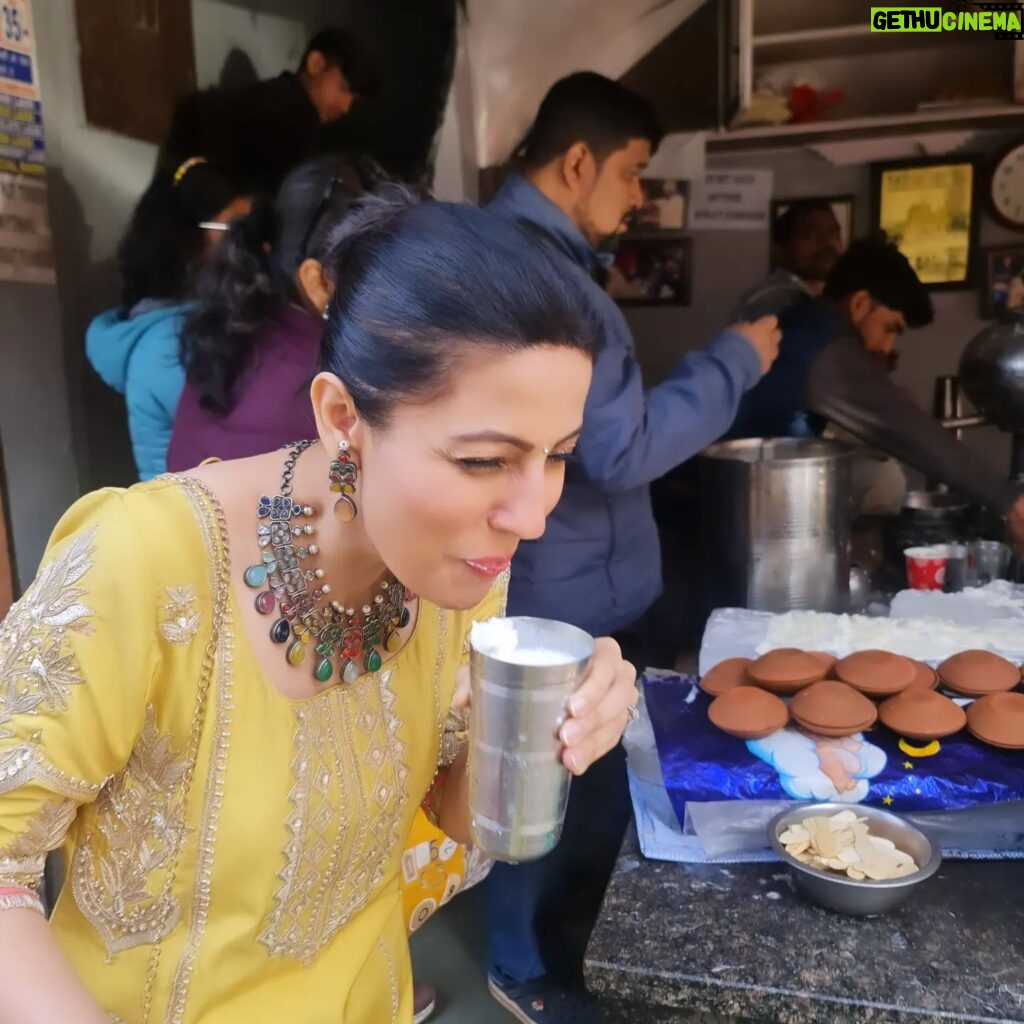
499, 639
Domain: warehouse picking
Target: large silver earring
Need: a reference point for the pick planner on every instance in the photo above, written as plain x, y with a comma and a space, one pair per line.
343, 475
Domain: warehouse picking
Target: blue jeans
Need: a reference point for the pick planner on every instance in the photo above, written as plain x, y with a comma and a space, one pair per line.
540, 914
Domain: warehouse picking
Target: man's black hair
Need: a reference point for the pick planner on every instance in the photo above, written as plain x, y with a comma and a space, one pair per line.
587, 107
879, 268
342, 49
785, 225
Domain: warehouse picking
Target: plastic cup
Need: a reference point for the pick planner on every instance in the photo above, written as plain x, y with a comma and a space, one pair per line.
926, 568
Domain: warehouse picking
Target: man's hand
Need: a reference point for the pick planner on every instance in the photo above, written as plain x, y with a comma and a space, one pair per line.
1015, 523
764, 335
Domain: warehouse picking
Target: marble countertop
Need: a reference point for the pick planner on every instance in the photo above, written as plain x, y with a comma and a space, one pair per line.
737, 943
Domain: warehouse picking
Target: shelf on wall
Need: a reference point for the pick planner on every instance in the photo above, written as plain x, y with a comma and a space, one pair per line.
988, 116
848, 41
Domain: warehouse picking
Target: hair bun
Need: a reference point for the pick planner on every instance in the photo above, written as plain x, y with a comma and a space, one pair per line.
368, 216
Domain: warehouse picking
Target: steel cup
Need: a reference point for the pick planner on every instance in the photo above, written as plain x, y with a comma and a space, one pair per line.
518, 787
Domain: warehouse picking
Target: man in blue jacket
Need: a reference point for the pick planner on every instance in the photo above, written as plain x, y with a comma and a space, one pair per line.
598, 563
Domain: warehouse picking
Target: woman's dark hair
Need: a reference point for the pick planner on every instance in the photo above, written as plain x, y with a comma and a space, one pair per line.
419, 284
879, 268
587, 107
164, 241
252, 273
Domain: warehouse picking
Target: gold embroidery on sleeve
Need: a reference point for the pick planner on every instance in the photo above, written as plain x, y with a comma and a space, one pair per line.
21, 861
24, 763
140, 822
38, 667
181, 619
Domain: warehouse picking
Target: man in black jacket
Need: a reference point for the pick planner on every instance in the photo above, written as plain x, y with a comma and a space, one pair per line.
832, 368
257, 133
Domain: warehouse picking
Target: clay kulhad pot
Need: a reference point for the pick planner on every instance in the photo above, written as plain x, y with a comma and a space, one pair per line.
748, 712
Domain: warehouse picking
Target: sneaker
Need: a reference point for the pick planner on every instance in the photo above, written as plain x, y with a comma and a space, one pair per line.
542, 1002
424, 1002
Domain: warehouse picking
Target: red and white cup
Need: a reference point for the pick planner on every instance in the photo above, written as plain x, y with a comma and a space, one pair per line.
926, 568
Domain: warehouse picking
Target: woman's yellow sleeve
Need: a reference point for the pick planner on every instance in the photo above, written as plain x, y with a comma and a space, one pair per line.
77, 657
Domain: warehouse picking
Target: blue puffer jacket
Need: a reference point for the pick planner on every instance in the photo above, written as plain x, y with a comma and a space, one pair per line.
138, 356
598, 565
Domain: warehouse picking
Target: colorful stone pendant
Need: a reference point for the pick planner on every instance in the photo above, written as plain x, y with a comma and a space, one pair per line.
307, 619
296, 653
255, 576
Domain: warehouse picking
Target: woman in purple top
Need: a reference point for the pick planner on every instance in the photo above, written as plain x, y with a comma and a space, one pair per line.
251, 344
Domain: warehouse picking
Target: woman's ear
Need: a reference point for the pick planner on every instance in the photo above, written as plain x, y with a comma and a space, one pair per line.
314, 285
335, 410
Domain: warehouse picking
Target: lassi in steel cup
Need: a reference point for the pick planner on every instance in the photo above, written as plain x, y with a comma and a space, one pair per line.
523, 672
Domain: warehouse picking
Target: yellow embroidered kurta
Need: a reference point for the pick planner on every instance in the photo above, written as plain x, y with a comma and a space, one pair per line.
233, 856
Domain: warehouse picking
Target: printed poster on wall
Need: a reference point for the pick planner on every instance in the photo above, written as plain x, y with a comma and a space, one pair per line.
26, 245
731, 201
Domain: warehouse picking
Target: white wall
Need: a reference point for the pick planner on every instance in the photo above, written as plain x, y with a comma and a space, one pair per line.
725, 263
274, 42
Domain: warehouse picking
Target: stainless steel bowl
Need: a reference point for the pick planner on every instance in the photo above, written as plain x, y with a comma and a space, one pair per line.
844, 895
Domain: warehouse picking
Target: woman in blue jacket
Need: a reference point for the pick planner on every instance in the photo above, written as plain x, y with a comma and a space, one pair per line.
134, 347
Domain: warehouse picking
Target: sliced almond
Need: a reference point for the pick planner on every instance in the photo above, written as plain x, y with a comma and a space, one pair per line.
824, 839
843, 843
844, 837
794, 834
843, 818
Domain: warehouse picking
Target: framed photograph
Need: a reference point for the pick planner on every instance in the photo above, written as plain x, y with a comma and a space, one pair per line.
652, 271
1002, 286
664, 206
929, 208
842, 207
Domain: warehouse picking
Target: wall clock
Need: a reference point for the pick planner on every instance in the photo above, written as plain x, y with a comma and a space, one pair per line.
1006, 187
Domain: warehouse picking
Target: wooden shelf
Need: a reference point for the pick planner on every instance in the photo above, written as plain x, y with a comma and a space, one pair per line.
784, 136
849, 41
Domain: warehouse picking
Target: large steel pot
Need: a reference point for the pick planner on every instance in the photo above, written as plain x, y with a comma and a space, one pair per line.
992, 372
776, 523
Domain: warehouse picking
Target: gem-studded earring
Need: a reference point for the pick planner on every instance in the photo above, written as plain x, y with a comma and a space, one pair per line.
343, 474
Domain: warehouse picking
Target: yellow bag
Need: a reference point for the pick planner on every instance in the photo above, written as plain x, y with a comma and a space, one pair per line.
434, 869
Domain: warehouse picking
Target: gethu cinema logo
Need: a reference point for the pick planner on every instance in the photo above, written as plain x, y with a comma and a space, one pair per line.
998, 18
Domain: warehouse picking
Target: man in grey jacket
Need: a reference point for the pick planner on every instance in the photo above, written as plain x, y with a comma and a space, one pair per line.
598, 564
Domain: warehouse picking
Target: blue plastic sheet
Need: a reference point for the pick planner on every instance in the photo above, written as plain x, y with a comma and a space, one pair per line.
699, 763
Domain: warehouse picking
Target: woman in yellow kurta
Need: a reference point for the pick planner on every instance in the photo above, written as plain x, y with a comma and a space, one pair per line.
199, 708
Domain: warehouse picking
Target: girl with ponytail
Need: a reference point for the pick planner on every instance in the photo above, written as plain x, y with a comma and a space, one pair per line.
178, 221
251, 342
